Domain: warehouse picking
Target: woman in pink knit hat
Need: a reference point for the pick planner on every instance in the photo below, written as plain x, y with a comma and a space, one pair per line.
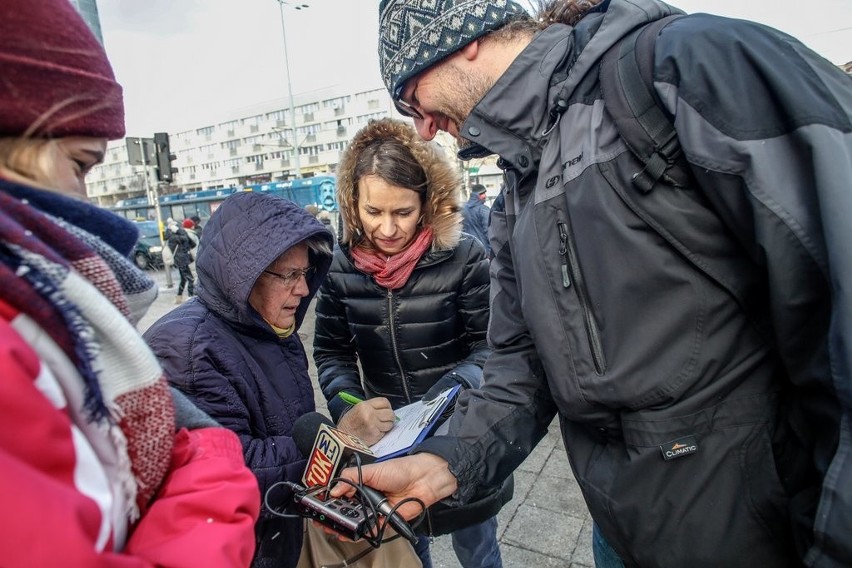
100, 464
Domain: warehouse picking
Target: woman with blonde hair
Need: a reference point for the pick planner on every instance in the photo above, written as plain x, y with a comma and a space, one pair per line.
99, 463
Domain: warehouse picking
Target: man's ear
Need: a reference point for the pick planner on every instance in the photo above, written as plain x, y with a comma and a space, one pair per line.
471, 50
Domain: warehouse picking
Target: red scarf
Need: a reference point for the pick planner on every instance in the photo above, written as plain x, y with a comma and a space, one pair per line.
393, 272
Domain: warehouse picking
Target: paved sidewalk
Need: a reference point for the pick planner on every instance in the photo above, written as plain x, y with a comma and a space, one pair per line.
545, 525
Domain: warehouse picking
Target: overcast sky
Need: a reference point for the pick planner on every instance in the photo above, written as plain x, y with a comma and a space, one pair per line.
191, 63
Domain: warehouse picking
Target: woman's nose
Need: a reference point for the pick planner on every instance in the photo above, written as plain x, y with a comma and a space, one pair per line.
301, 287
388, 226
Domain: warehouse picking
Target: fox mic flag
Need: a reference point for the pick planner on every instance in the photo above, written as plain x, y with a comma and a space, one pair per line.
332, 451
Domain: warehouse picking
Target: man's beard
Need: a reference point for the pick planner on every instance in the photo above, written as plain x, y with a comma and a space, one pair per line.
462, 93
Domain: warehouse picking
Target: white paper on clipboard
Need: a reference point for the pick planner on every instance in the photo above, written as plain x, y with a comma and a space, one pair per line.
415, 422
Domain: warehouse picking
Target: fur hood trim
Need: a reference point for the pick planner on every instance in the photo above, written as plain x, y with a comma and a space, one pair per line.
442, 210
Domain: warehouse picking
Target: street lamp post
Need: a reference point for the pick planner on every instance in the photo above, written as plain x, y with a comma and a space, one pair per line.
281, 4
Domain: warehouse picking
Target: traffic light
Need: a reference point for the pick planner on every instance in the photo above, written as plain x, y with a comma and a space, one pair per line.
165, 171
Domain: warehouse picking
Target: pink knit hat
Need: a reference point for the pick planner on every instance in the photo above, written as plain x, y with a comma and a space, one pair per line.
55, 79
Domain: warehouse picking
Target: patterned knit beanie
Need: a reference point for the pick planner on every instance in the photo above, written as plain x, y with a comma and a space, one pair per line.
55, 79
416, 34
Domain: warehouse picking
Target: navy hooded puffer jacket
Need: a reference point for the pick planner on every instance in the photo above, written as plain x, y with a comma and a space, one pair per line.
228, 360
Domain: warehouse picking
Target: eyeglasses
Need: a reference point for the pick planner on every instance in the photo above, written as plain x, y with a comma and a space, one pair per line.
404, 108
292, 276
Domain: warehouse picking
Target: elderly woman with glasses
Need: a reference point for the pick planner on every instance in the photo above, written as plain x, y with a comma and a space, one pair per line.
234, 350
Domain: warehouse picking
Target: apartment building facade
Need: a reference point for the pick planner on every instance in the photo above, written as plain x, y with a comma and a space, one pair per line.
254, 145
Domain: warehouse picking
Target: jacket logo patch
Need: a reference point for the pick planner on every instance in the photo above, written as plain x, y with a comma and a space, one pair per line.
552, 181
679, 448
574, 161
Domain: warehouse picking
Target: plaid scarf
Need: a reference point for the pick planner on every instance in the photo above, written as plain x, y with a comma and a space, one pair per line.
86, 297
393, 272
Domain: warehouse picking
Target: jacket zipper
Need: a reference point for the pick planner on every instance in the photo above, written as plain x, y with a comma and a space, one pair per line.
571, 270
392, 334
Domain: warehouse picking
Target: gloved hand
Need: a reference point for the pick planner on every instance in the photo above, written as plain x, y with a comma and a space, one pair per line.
444, 383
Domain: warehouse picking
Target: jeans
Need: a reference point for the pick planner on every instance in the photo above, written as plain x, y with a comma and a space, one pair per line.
475, 546
605, 555
185, 280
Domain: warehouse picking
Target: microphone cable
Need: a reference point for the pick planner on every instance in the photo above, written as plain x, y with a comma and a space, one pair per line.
374, 535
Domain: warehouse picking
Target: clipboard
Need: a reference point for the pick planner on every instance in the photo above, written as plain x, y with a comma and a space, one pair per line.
416, 422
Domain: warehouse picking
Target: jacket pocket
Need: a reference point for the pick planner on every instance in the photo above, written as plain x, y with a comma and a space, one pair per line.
721, 503
575, 309
572, 276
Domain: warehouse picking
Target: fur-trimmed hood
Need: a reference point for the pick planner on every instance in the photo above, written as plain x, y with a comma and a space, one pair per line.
442, 210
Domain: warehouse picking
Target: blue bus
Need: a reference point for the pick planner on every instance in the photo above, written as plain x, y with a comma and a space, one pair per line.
318, 191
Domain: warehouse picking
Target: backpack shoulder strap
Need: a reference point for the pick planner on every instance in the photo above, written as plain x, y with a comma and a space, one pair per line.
678, 210
626, 79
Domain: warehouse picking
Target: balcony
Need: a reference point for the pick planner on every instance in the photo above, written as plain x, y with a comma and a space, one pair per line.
339, 111
308, 117
254, 128
233, 152
311, 138
341, 131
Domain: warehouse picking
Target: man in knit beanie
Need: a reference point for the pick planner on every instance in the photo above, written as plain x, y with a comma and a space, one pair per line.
421, 36
670, 273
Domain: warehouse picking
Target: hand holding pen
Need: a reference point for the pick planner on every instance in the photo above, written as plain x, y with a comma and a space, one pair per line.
368, 420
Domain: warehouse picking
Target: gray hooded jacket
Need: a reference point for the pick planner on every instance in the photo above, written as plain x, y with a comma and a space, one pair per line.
699, 430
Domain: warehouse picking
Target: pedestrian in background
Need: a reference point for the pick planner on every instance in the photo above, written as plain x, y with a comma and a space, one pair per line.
476, 216
689, 321
100, 465
197, 222
189, 228
180, 250
325, 218
406, 298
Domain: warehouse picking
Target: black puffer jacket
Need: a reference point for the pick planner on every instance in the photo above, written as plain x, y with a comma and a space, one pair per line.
405, 340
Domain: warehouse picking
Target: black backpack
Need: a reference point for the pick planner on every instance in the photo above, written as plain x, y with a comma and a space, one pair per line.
664, 183
667, 196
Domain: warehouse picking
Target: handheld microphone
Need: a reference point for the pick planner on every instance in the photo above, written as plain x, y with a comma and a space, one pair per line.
380, 502
332, 449
305, 430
